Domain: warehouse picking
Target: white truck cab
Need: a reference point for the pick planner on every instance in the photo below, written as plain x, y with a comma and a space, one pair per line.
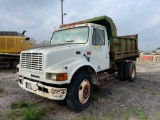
44, 71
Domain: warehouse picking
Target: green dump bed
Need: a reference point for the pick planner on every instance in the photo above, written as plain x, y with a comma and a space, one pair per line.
121, 47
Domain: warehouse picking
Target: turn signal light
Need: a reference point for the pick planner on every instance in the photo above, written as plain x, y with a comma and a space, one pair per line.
89, 53
61, 77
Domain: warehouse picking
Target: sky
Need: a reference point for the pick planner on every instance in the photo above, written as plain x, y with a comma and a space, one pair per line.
40, 17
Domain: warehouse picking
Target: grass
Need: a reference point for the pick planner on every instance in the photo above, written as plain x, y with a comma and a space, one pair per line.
33, 113
140, 114
23, 110
19, 104
12, 114
127, 114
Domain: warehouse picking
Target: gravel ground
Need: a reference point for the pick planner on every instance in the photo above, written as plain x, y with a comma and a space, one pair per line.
120, 101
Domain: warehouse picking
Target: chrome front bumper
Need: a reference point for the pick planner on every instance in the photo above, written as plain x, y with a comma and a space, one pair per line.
42, 90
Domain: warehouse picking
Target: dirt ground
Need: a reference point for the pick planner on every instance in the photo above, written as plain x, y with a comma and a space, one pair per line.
119, 101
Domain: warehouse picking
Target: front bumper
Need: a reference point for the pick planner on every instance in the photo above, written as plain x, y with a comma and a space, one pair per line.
42, 90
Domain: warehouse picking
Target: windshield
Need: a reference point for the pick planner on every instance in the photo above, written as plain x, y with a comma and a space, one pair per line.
73, 35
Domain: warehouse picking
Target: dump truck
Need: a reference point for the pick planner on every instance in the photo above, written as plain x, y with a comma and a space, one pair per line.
79, 57
11, 44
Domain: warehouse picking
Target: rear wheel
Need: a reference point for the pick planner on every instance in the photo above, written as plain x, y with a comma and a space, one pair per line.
130, 71
79, 92
121, 71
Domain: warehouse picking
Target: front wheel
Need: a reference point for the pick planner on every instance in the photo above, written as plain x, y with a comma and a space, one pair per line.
79, 92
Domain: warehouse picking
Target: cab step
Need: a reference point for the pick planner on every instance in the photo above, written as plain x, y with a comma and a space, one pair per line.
104, 80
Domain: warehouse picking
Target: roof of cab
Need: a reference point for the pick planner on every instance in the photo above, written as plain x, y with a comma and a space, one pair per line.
102, 20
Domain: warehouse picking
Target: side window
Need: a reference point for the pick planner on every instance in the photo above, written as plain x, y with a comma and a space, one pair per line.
98, 37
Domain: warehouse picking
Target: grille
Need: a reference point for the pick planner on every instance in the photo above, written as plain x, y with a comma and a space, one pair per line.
2, 43
32, 61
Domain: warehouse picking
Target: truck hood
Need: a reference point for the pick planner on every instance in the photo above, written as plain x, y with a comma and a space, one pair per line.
58, 54
44, 49
63, 53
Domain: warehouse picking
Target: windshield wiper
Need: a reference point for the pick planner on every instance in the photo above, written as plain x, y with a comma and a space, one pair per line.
69, 40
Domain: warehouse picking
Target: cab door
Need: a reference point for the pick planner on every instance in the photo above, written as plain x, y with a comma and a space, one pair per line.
100, 49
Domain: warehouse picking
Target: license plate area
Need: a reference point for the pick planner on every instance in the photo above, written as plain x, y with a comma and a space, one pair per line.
28, 85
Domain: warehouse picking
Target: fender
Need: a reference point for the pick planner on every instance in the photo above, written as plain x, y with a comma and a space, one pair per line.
69, 67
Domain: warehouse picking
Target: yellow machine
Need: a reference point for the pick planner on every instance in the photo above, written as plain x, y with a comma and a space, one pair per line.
11, 44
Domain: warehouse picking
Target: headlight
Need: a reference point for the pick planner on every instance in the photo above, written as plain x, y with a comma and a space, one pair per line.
53, 76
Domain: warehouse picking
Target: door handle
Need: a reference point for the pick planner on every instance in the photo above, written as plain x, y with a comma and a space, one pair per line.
106, 56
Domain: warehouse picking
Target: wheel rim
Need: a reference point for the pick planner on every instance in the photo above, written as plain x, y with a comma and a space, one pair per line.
133, 72
84, 91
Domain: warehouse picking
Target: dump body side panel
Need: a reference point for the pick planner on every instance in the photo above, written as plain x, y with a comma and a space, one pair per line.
124, 48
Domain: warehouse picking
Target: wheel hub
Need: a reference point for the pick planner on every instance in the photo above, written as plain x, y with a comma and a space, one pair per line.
84, 91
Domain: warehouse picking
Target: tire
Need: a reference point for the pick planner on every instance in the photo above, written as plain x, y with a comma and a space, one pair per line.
79, 92
130, 71
121, 71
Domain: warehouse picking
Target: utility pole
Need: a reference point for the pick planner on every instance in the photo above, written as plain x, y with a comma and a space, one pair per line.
62, 10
